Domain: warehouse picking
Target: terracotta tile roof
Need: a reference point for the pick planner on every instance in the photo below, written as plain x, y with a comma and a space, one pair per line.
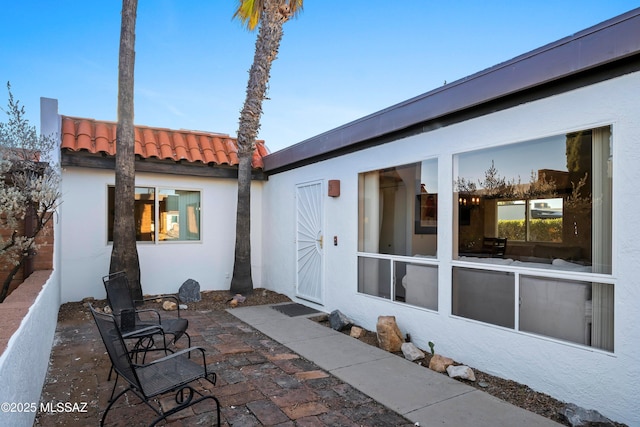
96, 136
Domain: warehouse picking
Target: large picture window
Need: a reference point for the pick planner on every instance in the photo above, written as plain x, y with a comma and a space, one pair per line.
547, 199
524, 212
398, 217
162, 214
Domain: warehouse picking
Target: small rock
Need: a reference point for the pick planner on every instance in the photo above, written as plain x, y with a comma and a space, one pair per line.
411, 352
356, 332
338, 320
439, 363
322, 317
464, 372
107, 310
483, 384
389, 336
237, 299
169, 306
189, 291
88, 299
183, 306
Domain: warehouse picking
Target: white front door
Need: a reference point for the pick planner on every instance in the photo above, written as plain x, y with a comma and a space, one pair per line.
309, 241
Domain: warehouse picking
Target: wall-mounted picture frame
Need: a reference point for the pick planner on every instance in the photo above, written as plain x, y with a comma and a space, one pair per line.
426, 213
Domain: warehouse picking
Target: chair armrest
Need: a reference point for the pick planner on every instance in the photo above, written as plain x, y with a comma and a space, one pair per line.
148, 330
210, 376
176, 354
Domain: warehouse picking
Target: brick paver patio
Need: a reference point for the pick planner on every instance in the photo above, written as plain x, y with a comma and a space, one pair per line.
260, 382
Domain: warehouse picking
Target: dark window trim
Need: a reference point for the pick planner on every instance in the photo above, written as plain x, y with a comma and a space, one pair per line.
94, 161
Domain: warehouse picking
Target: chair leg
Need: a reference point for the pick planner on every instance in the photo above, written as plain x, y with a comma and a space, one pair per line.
111, 402
115, 384
188, 342
173, 342
184, 400
143, 346
189, 403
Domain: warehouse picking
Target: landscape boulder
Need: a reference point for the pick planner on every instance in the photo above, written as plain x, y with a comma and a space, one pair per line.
464, 372
389, 336
189, 291
339, 321
411, 352
580, 417
440, 363
356, 332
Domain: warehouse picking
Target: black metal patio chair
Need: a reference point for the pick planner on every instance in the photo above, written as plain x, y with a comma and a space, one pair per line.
132, 319
174, 373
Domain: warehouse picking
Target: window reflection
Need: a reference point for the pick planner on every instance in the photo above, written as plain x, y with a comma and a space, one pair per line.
536, 220
539, 196
161, 215
179, 212
398, 210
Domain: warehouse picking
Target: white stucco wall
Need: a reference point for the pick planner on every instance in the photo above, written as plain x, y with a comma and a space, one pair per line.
607, 382
24, 363
166, 265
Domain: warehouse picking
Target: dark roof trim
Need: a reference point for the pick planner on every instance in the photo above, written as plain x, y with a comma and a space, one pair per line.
607, 42
184, 168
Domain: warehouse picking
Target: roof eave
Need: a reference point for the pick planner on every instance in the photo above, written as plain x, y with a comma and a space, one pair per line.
607, 42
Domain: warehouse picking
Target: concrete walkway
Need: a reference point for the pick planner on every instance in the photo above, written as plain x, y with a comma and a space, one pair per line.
421, 395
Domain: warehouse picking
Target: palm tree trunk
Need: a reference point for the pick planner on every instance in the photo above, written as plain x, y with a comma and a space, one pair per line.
267, 45
124, 255
242, 282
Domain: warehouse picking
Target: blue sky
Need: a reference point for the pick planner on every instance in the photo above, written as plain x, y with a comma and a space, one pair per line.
338, 60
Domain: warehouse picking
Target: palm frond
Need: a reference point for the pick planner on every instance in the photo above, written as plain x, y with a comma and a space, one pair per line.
249, 12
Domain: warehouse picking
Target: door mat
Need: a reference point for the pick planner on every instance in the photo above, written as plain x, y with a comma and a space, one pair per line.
294, 310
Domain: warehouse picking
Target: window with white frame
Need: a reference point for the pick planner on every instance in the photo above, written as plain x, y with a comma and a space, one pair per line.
524, 212
549, 198
162, 214
398, 219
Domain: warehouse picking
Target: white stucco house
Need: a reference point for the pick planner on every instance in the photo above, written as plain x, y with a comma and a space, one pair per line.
494, 216
185, 205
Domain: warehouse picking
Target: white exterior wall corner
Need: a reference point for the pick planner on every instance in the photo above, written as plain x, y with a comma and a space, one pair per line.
164, 266
279, 234
587, 377
257, 233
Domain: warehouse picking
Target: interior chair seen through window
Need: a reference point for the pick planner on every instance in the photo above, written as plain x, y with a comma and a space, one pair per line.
494, 247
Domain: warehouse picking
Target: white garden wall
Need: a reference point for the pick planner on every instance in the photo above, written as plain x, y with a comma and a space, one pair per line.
607, 382
24, 363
